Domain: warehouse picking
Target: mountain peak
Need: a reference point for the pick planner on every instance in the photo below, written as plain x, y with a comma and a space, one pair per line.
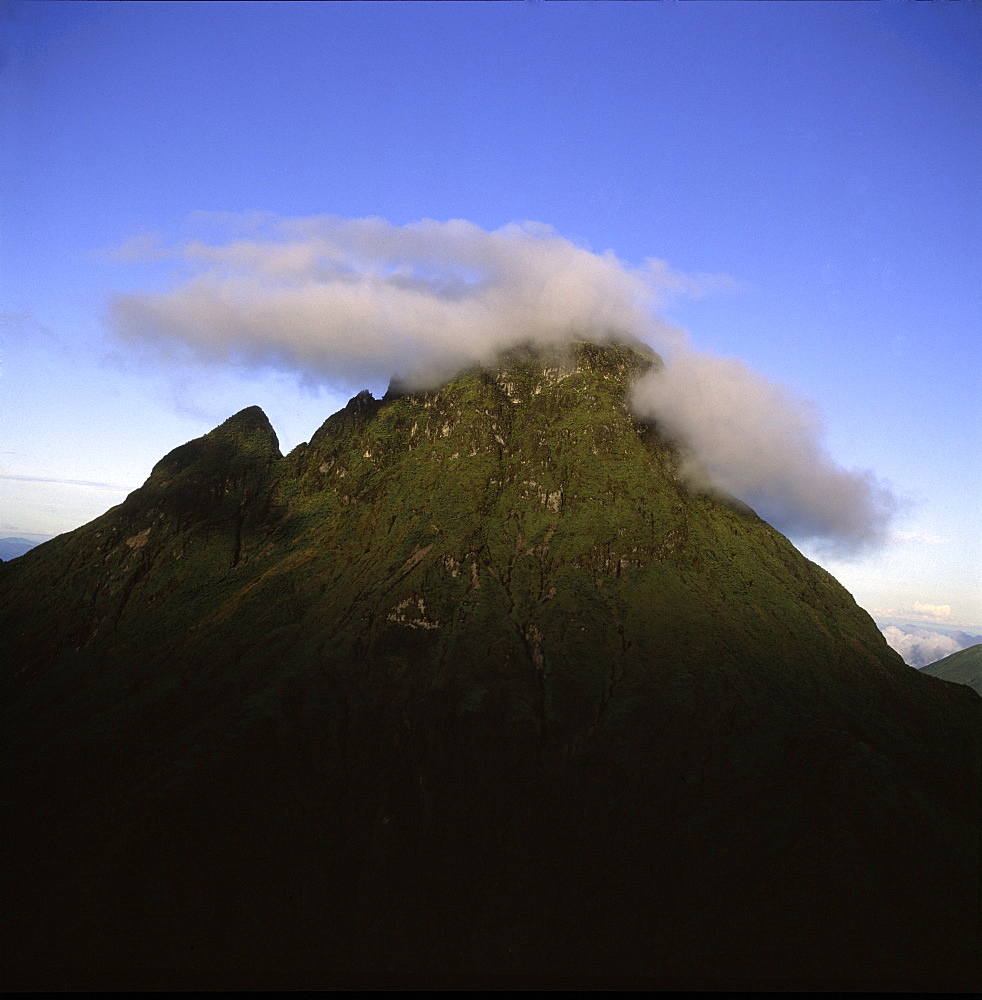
247, 433
250, 423
528, 367
525, 370
474, 678
251, 418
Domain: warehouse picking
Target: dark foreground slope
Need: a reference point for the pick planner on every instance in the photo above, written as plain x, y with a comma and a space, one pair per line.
469, 686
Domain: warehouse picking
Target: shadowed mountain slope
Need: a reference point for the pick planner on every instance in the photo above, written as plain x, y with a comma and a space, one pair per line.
470, 685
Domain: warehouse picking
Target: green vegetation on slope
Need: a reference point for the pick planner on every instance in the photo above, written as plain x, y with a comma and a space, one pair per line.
471, 682
963, 667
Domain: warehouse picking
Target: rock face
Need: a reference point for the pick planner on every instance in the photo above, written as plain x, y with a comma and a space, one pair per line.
468, 686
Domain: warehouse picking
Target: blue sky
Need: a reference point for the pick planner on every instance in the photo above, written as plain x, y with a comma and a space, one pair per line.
823, 156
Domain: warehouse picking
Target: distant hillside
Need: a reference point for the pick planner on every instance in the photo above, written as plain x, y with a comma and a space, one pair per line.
921, 644
11, 548
963, 667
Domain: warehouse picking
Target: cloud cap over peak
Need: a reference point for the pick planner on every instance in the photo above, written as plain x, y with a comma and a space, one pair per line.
344, 301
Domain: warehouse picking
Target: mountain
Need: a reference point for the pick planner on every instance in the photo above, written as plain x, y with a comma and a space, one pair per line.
11, 548
469, 690
963, 667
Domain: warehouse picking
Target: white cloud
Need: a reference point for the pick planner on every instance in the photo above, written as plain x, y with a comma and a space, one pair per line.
939, 614
921, 647
348, 301
757, 440
114, 487
932, 610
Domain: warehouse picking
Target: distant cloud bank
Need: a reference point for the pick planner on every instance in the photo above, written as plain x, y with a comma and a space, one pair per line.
920, 647
345, 301
942, 611
937, 614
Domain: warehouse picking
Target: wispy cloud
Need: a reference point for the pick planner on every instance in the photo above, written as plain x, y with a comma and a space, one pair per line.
115, 487
759, 441
918, 538
142, 247
34, 536
25, 326
352, 300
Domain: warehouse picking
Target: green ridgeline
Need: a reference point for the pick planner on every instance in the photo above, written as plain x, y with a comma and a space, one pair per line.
963, 667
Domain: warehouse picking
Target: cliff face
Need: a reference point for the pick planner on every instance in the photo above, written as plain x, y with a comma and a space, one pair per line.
471, 684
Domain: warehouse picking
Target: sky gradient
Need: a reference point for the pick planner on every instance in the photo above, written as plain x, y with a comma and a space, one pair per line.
821, 160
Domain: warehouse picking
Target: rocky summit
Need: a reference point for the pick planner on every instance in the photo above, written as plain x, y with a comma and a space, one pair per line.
469, 690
